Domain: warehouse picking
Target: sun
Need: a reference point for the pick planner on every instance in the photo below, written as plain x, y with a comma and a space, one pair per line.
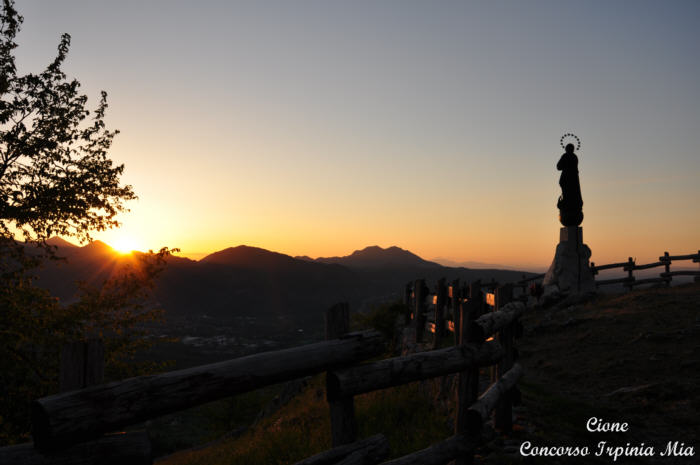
125, 245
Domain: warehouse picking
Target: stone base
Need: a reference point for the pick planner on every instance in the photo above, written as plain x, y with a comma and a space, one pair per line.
570, 270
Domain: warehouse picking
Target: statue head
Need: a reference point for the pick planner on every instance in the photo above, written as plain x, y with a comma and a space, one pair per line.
569, 148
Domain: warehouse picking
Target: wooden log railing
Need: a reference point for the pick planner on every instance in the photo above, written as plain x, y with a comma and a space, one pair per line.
480, 410
64, 419
82, 365
630, 281
342, 408
69, 426
414, 367
665, 277
475, 330
66, 425
113, 449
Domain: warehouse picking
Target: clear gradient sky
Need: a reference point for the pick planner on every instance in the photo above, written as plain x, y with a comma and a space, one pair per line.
321, 127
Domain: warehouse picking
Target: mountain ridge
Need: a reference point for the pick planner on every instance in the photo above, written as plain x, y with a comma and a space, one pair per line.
246, 280
374, 256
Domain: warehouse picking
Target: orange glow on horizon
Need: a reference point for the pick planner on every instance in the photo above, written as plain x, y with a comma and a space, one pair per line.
125, 245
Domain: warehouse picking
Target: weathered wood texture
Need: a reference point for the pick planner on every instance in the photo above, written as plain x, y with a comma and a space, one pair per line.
480, 410
367, 451
342, 409
423, 365
692, 256
596, 268
440, 453
64, 419
487, 324
114, 449
647, 266
82, 365
468, 380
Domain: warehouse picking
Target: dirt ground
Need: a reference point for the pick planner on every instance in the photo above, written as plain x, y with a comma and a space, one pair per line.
632, 358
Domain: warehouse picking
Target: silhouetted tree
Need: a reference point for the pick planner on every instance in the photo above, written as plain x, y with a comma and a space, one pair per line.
56, 179
55, 176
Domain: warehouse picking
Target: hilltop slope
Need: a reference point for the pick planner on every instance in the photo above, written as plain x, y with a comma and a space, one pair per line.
632, 358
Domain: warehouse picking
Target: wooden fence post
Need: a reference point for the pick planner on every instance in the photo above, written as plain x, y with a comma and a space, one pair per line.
630, 276
468, 387
420, 292
456, 296
82, 365
441, 297
504, 409
697, 278
342, 409
667, 268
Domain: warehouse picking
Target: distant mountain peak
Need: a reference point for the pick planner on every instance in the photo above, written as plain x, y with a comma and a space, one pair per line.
375, 249
59, 242
375, 256
248, 256
97, 245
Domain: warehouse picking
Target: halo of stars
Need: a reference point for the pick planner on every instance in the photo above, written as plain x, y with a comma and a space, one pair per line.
568, 134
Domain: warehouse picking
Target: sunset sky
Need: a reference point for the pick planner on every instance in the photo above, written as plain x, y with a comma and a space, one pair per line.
321, 127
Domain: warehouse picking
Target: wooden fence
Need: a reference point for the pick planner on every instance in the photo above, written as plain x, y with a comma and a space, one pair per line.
481, 339
77, 426
630, 266
628, 281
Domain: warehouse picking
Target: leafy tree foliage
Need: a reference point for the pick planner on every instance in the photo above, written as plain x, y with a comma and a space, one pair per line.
34, 326
55, 176
56, 179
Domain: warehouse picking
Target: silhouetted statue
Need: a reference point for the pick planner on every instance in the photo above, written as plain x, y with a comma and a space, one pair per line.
570, 203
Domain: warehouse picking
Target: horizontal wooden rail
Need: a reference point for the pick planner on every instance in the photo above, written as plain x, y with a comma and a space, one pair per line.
693, 256
597, 268
370, 450
644, 267
491, 322
440, 453
114, 449
480, 411
423, 365
64, 419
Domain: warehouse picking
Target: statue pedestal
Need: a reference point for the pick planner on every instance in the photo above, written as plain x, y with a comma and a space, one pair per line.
570, 270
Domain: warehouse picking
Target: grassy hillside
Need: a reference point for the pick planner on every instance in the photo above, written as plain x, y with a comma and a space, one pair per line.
302, 428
